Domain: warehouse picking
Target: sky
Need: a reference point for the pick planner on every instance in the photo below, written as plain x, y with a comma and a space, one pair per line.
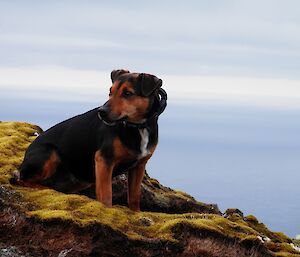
231, 69
225, 38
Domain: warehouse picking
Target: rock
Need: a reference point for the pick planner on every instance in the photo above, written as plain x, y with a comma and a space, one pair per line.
10, 251
49, 223
158, 198
233, 213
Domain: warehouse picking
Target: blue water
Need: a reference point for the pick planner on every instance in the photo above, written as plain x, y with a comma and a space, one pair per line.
235, 156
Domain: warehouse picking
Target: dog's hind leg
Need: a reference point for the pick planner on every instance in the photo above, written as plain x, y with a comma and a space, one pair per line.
39, 164
64, 181
42, 167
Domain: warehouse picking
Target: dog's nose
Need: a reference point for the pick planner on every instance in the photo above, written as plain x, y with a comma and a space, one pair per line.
103, 111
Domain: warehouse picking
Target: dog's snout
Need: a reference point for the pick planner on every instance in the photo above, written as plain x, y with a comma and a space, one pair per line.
103, 111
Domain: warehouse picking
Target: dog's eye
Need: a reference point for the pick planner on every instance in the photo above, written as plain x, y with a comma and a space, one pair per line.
127, 93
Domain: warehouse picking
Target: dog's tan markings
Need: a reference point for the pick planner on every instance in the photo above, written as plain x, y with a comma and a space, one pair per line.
114, 88
104, 175
133, 107
120, 151
103, 180
125, 86
135, 178
47, 171
135, 175
141, 104
50, 166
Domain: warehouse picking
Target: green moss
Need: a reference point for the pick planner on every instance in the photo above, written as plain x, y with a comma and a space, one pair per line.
252, 222
182, 195
155, 182
251, 219
14, 139
50, 205
296, 242
166, 193
283, 249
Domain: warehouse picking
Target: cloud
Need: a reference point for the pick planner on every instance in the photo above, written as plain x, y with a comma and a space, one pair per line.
61, 84
269, 93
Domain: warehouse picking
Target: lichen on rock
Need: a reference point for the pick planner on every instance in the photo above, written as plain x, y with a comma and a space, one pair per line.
172, 223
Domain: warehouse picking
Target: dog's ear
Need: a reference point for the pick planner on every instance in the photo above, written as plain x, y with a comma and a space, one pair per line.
148, 83
117, 73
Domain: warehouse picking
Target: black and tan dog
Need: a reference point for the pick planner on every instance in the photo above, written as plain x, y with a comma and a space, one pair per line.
118, 137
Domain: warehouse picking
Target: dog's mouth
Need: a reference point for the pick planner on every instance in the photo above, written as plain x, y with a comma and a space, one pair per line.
110, 122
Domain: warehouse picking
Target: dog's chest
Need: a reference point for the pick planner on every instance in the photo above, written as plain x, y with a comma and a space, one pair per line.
133, 144
144, 133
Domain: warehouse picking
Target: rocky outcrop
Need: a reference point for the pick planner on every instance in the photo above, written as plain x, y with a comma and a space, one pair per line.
156, 197
48, 223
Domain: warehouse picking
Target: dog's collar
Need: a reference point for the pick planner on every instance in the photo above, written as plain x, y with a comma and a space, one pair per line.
154, 116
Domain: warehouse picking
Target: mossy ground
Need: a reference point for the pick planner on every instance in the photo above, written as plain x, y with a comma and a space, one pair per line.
50, 205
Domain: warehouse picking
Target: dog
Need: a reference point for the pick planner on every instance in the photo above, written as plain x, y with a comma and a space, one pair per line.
91, 148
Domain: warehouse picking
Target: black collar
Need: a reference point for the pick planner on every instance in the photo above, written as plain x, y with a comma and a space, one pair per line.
162, 95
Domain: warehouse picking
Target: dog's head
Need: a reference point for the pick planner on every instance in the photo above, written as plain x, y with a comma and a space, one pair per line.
130, 97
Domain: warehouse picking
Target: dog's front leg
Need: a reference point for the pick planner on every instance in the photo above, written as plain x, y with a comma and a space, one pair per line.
135, 178
103, 172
